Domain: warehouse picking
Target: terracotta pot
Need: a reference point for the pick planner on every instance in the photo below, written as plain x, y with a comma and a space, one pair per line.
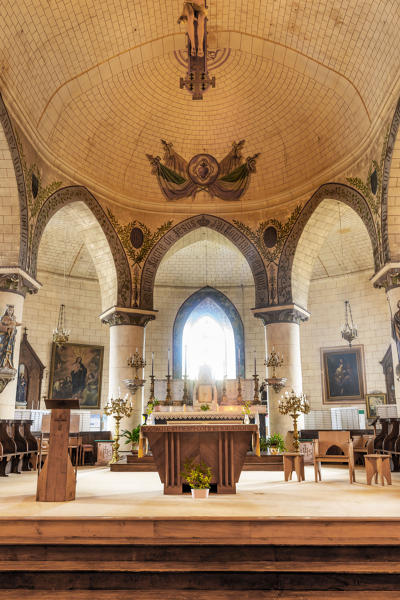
200, 492
273, 450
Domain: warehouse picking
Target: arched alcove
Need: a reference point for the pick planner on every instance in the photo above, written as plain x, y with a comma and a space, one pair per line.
349, 248
13, 250
102, 241
333, 192
206, 297
224, 228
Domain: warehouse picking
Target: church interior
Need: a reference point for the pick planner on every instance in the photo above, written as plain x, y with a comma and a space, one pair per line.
199, 299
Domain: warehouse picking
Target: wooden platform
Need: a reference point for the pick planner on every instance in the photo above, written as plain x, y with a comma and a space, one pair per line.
122, 538
265, 462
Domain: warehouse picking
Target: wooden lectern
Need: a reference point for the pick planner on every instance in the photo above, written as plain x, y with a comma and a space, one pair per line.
57, 481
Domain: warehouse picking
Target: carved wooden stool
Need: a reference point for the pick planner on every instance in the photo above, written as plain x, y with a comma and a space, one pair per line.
378, 464
293, 461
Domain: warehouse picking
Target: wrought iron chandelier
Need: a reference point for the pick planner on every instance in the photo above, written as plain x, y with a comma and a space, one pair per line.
349, 330
275, 360
61, 333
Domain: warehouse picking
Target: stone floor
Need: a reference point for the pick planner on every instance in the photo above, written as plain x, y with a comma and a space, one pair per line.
101, 493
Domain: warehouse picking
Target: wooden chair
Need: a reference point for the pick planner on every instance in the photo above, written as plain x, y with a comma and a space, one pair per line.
86, 449
362, 445
74, 447
333, 441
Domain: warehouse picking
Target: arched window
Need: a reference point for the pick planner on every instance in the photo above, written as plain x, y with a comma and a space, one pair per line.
208, 339
210, 328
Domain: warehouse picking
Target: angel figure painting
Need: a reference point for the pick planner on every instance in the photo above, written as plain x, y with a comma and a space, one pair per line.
227, 180
76, 371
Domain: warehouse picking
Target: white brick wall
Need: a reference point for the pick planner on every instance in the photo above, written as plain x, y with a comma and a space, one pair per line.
83, 307
9, 207
371, 315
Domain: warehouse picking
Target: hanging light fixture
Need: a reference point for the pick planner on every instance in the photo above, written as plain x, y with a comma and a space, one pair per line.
61, 333
349, 330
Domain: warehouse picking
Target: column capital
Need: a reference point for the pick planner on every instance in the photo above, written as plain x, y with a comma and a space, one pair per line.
285, 313
17, 281
387, 277
127, 316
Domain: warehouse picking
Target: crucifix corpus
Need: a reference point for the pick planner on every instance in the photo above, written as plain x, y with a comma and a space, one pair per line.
197, 79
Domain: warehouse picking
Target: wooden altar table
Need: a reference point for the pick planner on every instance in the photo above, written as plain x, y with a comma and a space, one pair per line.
221, 446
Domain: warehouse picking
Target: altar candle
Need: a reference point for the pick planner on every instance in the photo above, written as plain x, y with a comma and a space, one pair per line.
185, 360
239, 362
168, 360
152, 364
255, 363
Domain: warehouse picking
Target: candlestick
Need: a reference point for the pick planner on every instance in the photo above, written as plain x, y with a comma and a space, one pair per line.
185, 360
152, 364
239, 362
255, 363
168, 361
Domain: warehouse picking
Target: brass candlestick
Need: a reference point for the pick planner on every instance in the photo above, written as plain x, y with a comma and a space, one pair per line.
152, 397
168, 401
294, 406
239, 390
118, 408
224, 397
256, 399
185, 397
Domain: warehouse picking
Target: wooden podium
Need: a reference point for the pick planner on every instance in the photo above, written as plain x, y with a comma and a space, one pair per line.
57, 481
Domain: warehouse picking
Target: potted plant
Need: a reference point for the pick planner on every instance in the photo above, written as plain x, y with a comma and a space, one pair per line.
132, 437
205, 407
272, 444
198, 476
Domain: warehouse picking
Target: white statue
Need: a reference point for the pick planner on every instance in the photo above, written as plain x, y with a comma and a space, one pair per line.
191, 12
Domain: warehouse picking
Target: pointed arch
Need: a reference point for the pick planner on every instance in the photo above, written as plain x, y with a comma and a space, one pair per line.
329, 191
5, 123
223, 227
70, 195
185, 311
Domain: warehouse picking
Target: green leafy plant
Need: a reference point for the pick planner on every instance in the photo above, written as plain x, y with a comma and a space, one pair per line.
197, 475
246, 407
275, 441
150, 406
204, 407
132, 436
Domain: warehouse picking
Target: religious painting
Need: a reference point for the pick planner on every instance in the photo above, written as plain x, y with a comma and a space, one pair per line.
22, 385
373, 401
76, 372
343, 375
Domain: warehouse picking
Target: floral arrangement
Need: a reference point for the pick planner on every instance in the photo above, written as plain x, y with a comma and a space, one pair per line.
151, 405
273, 441
246, 407
204, 407
197, 475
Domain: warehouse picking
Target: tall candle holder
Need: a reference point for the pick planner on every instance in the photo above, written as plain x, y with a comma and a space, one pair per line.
118, 408
224, 396
185, 397
275, 361
152, 397
239, 390
294, 406
168, 401
256, 398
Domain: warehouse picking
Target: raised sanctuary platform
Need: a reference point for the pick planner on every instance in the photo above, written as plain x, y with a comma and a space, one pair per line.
273, 539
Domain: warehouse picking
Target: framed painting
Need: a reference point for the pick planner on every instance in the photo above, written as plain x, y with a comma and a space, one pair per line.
76, 372
373, 401
343, 376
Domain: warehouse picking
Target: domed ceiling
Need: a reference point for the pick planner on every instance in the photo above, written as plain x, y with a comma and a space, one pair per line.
96, 86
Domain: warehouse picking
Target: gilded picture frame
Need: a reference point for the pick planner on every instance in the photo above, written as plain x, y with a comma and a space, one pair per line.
343, 375
76, 371
372, 401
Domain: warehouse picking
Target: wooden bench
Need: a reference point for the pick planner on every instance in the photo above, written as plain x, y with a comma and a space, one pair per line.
11, 459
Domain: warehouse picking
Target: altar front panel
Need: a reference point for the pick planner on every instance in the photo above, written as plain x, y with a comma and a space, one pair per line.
222, 447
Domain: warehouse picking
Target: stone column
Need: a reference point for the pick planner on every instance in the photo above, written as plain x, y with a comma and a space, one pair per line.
282, 332
127, 332
14, 284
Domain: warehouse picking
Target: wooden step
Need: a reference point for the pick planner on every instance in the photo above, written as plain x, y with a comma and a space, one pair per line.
131, 463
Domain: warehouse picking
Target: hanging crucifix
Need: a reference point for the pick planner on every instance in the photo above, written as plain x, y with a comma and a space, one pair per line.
197, 80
